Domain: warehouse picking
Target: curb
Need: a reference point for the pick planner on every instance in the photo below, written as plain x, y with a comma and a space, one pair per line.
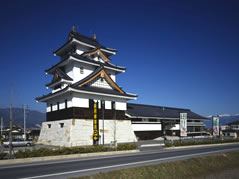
60, 157
194, 146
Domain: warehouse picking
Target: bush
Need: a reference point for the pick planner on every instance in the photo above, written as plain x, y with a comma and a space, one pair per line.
71, 150
2, 155
176, 144
126, 147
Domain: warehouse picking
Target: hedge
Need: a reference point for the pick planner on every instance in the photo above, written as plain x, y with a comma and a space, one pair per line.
2, 155
176, 144
71, 150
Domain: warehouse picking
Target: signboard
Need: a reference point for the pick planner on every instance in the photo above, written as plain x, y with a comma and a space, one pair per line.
183, 124
215, 125
95, 124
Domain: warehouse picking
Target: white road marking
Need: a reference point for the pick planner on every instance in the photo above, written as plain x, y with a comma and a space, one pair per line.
152, 145
127, 164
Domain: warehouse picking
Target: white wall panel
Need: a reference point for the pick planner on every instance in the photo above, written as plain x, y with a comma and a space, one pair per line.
120, 106
146, 127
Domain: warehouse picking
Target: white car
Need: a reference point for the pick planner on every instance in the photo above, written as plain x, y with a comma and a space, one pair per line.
18, 142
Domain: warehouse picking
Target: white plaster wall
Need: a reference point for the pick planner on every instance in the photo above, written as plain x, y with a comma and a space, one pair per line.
55, 135
96, 97
146, 127
120, 106
113, 77
107, 104
122, 129
69, 70
77, 132
61, 101
80, 102
88, 69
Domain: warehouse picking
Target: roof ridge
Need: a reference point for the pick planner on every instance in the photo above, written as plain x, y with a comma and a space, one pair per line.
159, 106
79, 34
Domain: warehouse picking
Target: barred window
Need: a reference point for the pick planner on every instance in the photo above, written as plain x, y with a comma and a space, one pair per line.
81, 70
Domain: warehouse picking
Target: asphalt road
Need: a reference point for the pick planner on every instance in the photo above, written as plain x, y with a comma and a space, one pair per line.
80, 167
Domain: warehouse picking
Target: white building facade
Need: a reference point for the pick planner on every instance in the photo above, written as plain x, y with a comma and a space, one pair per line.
84, 76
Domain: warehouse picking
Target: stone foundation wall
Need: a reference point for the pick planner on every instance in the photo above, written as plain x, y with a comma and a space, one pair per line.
78, 132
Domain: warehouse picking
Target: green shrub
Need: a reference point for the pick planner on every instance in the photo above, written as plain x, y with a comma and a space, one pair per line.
176, 144
2, 155
126, 147
71, 150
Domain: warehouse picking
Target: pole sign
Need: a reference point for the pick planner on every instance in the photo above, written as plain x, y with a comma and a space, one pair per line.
95, 124
215, 125
183, 124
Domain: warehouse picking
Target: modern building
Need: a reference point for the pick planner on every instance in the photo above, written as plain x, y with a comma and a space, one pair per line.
149, 122
83, 78
234, 126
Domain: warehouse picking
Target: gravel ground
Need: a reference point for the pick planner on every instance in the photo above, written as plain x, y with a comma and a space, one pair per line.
225, 174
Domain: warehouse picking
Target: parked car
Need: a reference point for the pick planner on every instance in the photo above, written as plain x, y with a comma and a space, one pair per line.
18, 142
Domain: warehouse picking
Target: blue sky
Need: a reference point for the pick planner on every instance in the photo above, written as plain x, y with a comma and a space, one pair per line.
177, 53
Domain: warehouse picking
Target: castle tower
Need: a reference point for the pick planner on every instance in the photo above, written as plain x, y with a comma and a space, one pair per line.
85, 76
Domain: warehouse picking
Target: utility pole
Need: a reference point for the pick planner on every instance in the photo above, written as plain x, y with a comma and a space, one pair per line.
1, 125
10, 133
103, 116
25, 107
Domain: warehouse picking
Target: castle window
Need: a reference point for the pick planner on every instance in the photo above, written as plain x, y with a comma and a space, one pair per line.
113, 105
61, 125
91, 103
49, 125
66, 104
81, 70
58, 106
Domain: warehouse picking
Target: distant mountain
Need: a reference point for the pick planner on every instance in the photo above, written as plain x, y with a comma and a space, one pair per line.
224, 119
32, 117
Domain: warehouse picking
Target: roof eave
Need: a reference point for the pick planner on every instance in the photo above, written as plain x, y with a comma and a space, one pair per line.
51, 85
104, 94
63, 47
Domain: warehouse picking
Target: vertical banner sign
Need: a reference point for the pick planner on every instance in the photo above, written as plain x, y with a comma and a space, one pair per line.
215, 125
95, 124
183, 124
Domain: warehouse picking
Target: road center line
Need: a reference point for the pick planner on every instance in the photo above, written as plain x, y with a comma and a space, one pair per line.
127, 164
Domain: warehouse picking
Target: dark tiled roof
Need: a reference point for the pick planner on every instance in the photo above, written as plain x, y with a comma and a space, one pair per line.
141, 110
89, 40
234, 123
52, 82
85, 39
88, 88
62, 75
103, 90
229, 130
51, 94
86, 59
